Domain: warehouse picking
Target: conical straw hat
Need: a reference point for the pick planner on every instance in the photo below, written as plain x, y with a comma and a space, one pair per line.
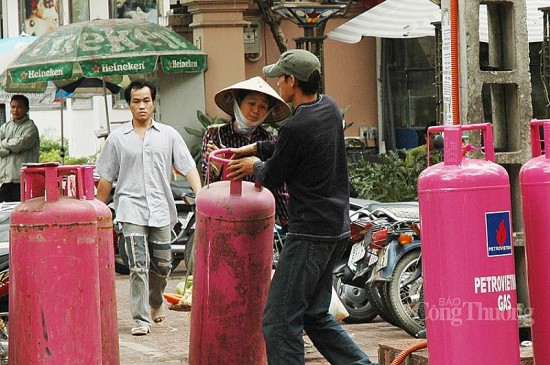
224, 98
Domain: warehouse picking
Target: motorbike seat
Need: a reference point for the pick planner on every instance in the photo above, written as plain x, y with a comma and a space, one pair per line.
407, 210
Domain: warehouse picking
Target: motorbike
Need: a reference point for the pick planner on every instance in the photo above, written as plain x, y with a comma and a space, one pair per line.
5, 214
350, 273
360, 276
396, 280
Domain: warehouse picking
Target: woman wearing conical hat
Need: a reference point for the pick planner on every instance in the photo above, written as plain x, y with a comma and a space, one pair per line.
250, 103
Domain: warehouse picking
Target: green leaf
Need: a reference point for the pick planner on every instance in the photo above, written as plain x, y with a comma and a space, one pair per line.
194, 132
388, 180
205, 120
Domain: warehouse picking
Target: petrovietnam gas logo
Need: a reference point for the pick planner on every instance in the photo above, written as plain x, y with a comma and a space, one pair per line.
499, 236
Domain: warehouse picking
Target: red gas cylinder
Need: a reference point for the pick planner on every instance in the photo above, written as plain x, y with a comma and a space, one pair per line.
54, 288
535, 191
467, 256
234, 243
106, 257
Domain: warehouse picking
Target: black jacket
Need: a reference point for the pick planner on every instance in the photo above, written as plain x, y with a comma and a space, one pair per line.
309, 155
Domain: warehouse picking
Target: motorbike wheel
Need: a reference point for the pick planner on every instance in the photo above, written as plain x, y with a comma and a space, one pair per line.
404, 301
422, 305
189, 253
354, 299
121, 258
278, 242
375, 297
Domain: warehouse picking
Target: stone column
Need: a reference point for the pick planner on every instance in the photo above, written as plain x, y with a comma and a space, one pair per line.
218, 31
504, 74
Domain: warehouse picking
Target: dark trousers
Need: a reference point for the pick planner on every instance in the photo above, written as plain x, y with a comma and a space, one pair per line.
10, 192
298, 299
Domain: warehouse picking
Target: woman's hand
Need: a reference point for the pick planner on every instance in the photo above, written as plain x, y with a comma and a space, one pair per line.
211, 147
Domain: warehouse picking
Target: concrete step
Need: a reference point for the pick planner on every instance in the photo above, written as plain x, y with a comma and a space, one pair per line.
389, 350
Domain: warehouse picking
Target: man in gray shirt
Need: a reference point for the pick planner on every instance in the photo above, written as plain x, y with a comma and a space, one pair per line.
19, 144
141, 155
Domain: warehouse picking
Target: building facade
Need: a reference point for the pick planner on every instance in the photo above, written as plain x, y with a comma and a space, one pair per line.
222, 29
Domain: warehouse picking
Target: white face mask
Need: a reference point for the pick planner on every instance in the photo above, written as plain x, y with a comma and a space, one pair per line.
244, 126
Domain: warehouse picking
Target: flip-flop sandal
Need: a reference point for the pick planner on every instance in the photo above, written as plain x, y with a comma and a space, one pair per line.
180, 307
159, 319
140, 331
157, 314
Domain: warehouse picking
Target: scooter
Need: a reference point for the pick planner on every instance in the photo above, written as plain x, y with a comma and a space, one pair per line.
350, 273
5, 214
396, 279
370, 225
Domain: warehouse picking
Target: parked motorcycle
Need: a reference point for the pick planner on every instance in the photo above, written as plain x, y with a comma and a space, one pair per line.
351, 272
396, 279
5, 214
360, 278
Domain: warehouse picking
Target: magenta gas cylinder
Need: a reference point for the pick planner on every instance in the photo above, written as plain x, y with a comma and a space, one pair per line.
106, 260
54, 286
534, 179
467, 256
234, 243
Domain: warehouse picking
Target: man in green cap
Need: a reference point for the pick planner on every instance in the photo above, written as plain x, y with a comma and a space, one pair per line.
309, 156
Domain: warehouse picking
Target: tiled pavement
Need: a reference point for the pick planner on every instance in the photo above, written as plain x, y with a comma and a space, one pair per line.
169, 343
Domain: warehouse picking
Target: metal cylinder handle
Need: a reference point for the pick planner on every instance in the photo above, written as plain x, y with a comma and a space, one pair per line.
39, 179
452, 147
235, 187
536, 146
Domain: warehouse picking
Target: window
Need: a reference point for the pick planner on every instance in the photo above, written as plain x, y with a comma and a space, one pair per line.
39, 16
79, 11
409, 81
1, 24
141, 10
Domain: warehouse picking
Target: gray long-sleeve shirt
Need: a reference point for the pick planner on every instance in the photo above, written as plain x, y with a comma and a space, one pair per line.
19, 144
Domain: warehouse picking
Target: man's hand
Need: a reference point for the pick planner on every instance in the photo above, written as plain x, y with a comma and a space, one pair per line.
244, 151
241, 167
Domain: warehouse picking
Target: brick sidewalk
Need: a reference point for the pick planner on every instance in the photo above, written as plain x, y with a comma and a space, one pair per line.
169, 343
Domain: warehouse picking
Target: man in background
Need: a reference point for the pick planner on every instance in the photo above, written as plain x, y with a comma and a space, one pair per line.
19, 144
140, 156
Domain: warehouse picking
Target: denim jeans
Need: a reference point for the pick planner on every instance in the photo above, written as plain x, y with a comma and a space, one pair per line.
149, 260
298, 299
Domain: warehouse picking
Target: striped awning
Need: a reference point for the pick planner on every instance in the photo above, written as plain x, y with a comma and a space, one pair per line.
391, 19
414, 18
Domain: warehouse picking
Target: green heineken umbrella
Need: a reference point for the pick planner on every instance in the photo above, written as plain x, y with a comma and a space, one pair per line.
105, 47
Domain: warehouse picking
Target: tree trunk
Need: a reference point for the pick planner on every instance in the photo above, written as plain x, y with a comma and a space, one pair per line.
274, 22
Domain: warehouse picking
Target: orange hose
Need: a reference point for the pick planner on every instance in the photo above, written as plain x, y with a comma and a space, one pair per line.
403, 354
453, 9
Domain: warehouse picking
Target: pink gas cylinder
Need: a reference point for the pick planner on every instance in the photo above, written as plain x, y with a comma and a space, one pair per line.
468, 255
106, 257
534, 179
54, 286
233, 253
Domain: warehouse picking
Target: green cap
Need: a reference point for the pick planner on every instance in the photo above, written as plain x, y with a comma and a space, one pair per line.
298, 62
